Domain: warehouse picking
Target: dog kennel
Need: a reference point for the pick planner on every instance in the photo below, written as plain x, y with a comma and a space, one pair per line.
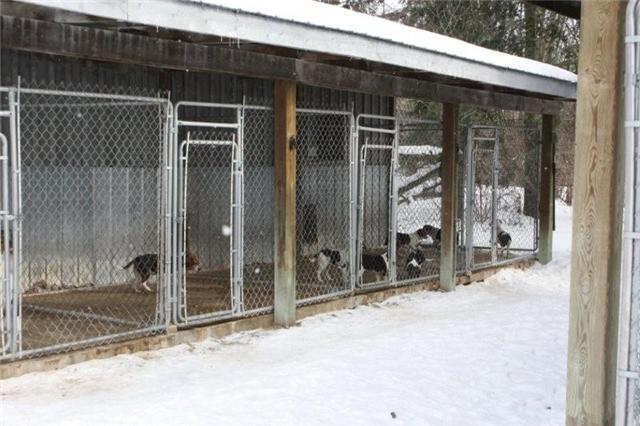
107, 158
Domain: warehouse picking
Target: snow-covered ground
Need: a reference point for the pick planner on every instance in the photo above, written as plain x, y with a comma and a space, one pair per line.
492, 353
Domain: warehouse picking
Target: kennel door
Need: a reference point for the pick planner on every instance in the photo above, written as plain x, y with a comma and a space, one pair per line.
481, 196
212, 232
9, 327
377, 194
10, 200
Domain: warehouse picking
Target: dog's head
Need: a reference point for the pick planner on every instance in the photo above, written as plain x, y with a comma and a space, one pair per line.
191, 261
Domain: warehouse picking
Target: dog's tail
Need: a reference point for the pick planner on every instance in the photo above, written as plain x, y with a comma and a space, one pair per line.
128, 265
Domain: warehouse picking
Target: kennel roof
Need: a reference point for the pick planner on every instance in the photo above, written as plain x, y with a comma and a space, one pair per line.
319, 32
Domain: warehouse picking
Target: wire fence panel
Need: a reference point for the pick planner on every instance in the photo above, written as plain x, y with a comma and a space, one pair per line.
502, 174
518, 189
323, 199
258, 150
92, 216
419, 198
628, 383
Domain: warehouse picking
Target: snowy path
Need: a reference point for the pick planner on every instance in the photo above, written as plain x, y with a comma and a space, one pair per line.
488, 354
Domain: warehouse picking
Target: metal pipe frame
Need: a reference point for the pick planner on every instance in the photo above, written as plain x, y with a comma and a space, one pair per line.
632, 207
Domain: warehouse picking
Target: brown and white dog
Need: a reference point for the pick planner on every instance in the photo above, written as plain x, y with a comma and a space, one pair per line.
146, 265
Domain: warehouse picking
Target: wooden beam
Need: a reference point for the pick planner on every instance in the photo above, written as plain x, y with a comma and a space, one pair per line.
449, 201
547, 193
597, 216
284, 304
568, 8
107, 45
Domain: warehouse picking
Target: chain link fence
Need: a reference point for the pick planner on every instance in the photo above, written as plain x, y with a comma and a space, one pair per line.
324, 204
419, 197
501, 193
628, 384
92, 191
135, 214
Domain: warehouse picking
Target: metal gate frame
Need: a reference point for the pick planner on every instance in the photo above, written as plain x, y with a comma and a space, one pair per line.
392, 196
236, 268
628, 379
10, 294
11, 218
470, 183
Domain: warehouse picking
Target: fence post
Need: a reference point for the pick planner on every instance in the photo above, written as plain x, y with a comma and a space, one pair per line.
284, 303
597, 215
449, 196
546, 210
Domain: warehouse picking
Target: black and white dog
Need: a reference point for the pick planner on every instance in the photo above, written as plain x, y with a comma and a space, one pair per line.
376, 263
434, 233
503, 239
414, 263
413, 240
146, 265
328, 257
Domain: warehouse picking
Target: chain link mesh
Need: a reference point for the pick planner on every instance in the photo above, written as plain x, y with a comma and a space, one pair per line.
374, 162
208, 184
258, 210
91, 202
505, 172
323, 204
419, 193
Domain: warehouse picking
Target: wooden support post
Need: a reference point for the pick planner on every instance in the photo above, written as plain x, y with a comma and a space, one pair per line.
284, 217
449, 196
547, 193
597, 216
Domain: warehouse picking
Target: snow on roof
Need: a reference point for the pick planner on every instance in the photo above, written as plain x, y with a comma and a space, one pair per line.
336, 18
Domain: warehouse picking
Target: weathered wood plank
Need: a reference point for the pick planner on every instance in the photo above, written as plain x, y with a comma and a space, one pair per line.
449, 175
285, 203
597, 208
547, 193
107, 45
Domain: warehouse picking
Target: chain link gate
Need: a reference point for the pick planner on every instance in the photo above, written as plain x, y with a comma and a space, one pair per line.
210, 196
89, 194
377, 222
325, 195
419, 196
10, 328
224, 150
501, 194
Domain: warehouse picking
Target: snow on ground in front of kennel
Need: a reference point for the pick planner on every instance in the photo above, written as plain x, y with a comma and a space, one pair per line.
492, 353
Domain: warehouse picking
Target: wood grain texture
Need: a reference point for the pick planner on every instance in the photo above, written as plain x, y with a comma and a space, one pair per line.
106, 45
284, 303
597, 208
449, 175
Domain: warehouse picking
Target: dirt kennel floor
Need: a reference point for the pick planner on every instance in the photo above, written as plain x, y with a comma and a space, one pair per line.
68, 316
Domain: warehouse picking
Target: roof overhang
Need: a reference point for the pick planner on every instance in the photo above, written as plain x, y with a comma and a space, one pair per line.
192, 21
